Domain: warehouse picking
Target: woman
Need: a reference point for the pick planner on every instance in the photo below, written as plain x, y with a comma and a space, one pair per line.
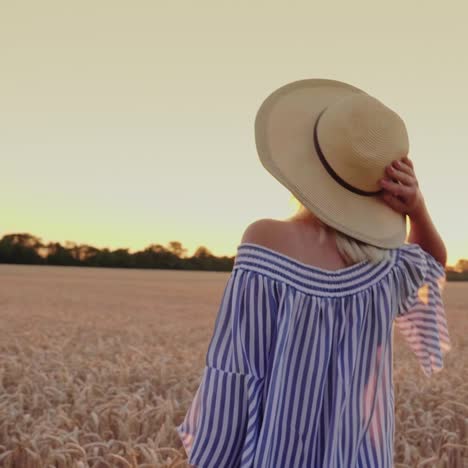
299, 367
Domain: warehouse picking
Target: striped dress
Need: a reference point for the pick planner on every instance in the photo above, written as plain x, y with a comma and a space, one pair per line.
298, 372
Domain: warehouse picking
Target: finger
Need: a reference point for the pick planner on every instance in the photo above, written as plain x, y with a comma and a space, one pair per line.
394, 203
395, 188
408, 161
403, 177
402, 166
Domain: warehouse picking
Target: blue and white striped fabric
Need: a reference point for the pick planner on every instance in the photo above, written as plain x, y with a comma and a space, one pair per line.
299, 367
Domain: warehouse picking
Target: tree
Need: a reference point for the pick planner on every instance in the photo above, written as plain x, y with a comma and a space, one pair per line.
462, 265
21, 248
59, 255
202, 252
176, 248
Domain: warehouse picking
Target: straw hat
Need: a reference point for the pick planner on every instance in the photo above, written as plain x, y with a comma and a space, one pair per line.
328, 143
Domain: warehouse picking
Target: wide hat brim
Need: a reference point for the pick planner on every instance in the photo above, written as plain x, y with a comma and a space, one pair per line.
284, 140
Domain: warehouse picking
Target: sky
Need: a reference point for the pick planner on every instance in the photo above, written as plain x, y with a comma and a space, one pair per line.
124, 124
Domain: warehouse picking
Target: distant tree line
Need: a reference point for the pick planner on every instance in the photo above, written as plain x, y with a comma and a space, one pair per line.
24, 248
459, 272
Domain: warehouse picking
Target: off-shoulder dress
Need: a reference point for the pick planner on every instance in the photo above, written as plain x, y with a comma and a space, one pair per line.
299, 369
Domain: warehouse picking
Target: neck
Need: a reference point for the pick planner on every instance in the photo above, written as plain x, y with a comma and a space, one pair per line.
304, 215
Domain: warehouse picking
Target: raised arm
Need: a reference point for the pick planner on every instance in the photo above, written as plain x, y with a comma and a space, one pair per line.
424, 233
402, 193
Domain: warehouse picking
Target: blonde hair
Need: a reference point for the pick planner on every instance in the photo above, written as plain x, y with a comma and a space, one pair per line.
352, 250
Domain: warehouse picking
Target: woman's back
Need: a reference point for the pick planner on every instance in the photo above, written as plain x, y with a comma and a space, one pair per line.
299, 368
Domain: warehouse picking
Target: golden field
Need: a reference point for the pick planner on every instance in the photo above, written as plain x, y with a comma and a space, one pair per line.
98, 365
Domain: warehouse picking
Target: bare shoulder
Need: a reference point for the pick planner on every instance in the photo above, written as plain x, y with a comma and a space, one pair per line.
300, 241
265, 231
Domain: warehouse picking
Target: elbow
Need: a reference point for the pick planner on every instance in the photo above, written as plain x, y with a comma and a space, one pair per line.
442, 256
442, 262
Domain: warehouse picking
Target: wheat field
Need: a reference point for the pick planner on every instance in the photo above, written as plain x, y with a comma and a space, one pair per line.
97, 366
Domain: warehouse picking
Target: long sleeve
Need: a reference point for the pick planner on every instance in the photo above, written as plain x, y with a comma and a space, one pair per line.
420, 312
221, 426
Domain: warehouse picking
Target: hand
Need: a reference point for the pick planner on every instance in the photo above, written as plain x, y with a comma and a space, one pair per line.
401, 188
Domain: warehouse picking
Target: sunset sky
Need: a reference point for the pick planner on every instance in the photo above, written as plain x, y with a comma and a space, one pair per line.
129, 123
